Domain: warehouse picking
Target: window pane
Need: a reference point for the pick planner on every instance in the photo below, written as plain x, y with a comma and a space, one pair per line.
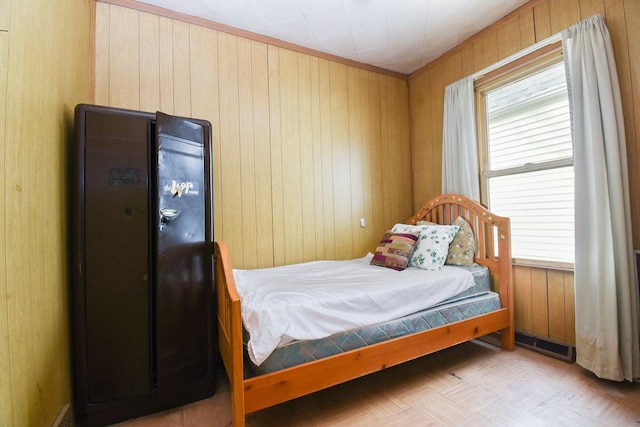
528, 121
540, 205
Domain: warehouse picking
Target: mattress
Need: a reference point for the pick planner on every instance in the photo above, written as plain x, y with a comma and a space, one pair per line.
319, 299
475, 301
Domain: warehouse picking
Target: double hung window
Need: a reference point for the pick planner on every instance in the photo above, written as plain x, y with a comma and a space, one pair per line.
527, 160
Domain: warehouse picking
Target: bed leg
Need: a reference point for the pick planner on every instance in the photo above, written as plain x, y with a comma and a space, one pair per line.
237, 408
508, 339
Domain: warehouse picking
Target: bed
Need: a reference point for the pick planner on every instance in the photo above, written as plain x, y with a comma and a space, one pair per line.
252, 391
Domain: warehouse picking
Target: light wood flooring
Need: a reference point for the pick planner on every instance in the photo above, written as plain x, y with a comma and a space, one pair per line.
472, 384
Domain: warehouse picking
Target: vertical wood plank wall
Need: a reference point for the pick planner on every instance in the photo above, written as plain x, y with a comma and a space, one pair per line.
544, 303
303, 147
44, 73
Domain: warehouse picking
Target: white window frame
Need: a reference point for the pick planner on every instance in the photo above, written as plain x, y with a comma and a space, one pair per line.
499, 77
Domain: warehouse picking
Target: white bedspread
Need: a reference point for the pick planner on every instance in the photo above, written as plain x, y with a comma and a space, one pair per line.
317, 299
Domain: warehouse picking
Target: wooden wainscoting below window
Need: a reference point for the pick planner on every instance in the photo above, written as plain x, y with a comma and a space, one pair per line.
544, 304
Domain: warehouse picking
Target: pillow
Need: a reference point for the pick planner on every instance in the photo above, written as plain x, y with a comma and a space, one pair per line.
433, 245
394, 250
463, 247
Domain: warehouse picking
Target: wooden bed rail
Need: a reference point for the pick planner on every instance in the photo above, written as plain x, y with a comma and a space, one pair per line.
252, 394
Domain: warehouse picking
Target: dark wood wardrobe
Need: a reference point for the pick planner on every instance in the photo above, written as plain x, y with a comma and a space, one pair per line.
141, 263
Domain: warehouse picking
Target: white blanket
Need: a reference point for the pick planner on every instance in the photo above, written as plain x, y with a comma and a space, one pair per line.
318, 299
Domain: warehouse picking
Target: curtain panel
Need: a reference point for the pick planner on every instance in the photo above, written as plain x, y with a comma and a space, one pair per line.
606, 288
459, 144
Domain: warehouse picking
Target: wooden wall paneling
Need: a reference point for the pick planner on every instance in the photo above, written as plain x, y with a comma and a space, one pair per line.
16, 205
478, 55
563, 14
166, 65
539, 302
466, 60
124, 60
49, 179
387, 191
150, 62
490, 48
376, 224
5, 15
181, 69
356, 111
341, 160
527, 29
261, 128
421, 139
591, 7
437, 115
44, 74
327, 159
6, 410
37, 183
542, 21
508, 36
429, 176
102, 77
622, 19
557, 299
569, 308
401, 141
307, 178
291, 171
204, 103
231, 184
318, 181
275, 128
399, 154
367, 167
522, 299
452, 69
247, 155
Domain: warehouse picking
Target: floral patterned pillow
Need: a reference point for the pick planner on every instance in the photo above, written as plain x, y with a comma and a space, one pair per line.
432, 246
463, 247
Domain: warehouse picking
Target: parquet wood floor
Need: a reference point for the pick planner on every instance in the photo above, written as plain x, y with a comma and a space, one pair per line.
472, 384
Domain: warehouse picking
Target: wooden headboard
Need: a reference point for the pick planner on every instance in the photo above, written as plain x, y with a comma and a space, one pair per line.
492, 234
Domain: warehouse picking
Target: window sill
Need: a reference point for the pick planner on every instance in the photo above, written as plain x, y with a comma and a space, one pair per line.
549, 265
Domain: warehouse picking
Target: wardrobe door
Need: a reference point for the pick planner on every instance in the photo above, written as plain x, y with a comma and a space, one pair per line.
183, 255
116, 238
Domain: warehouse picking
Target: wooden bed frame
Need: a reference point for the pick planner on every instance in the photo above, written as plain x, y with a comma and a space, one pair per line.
253, 394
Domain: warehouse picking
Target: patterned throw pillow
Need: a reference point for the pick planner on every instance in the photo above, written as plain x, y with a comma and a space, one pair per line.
433, 244
463, 247
394, 250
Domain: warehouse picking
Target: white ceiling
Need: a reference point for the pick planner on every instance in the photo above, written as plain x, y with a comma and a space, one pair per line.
398, 35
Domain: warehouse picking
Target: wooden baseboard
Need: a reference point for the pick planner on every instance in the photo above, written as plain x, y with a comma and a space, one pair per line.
64, 418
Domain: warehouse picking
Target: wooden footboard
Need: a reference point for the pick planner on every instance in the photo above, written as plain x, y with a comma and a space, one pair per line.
252, 394
230, 329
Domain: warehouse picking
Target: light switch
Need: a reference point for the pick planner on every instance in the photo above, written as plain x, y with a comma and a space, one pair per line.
363, 223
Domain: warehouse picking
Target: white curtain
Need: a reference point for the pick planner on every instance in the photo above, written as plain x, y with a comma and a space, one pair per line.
606, 288
459, 146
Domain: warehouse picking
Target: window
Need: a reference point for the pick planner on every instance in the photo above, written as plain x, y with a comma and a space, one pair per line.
527, 156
